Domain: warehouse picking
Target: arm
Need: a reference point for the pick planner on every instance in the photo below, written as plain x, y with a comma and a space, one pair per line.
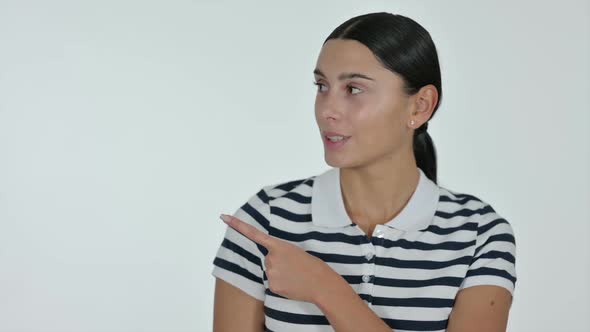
345, 310
485, 297
235, 310
239, 276
480, 308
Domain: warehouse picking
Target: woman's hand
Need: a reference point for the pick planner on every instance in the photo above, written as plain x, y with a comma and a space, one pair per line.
291, 272
297, 275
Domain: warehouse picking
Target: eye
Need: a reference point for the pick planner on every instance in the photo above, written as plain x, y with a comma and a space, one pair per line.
319, 85
350, 87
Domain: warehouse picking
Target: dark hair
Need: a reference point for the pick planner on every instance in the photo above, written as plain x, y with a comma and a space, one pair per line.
406, 48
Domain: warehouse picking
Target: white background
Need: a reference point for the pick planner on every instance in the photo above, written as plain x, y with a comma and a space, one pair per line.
127, 127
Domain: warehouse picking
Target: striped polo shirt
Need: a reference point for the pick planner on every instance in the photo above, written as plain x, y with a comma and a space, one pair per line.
408, 272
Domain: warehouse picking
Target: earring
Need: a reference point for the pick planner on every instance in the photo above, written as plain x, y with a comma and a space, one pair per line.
411, 122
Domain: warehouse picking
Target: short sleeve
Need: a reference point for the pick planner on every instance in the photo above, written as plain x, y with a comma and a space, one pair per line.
494, 259
239, 260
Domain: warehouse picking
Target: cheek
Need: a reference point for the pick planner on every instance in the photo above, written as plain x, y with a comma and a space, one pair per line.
363, 111
369, 118
378, 126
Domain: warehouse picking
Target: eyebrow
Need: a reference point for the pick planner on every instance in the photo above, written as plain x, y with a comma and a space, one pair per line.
344, 75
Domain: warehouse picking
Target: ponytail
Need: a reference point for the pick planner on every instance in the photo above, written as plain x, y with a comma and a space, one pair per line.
424, 152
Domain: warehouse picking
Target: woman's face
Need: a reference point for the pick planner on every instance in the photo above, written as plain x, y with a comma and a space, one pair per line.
370, 108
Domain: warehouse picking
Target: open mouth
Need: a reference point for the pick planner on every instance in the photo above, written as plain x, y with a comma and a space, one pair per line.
334, 142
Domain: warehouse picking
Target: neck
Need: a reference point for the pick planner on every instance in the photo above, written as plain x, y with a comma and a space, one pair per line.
374, 194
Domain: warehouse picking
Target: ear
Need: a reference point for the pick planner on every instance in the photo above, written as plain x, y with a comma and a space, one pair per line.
424, 102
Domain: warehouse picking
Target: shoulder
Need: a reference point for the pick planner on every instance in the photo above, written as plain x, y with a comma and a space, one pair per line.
452, 201
266, 193
289, 188
473, 212
490, 235
270, 197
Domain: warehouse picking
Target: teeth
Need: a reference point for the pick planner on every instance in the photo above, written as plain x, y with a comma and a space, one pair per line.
335, 138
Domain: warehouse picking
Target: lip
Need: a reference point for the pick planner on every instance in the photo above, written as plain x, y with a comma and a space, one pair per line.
334, 145
331, 133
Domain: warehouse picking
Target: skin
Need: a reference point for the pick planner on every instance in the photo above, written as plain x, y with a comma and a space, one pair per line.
378, 176
378, 169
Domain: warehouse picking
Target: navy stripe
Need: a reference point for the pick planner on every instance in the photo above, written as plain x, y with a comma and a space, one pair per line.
499, 238
268, 292
222, 263
417, 302
448, 245
338, 258
421, 264
314, 235
352, 280
464, 212
458, 200
416, 325
263, 196
468, 226
462, 196
290, 185
290, 215
366, 297
260, 219
490, 225
256, 215
295, 318
488, 271
261, 248
241, 251
359, 239
409, 283
414, 302
297, 197
410, 325
497, 254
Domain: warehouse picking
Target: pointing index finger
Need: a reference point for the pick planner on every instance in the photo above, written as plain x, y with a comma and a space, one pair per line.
248, 230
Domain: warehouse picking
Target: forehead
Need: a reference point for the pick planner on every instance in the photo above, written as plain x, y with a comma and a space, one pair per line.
339, 55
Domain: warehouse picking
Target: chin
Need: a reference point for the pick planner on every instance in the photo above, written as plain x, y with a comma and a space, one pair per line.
338, 161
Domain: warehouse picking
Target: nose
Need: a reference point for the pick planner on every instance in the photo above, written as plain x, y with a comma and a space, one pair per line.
328, 107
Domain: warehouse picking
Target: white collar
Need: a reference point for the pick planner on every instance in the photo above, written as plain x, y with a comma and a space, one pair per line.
327, 204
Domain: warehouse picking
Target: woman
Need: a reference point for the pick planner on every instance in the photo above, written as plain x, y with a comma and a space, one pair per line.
372, 244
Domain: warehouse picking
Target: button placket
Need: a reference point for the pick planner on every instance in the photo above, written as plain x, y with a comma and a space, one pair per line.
369, 252
379, 235
368, 268
368, 271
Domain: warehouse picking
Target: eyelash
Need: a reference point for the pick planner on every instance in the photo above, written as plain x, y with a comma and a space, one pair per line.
348, 86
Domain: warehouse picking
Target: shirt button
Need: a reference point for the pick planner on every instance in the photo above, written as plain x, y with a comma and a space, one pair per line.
369, 256
378, 233
366, 278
